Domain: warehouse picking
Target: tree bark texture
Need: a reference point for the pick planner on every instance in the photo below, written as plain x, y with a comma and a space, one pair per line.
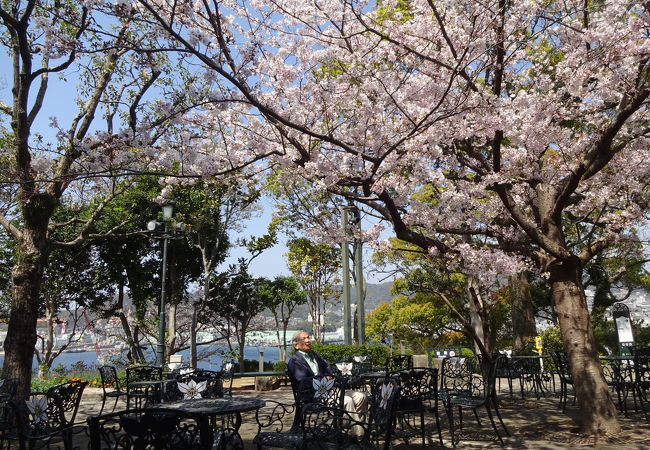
26, 276
479, 322
193, 327
599, 415
522, 311
172, 310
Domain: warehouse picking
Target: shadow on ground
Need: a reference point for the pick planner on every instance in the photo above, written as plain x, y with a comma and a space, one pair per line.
533, 424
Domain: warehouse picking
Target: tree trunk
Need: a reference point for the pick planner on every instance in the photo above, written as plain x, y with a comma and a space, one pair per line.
524, 329
193, 326
171, 329
599, 414
26, 276
285, 325
314, 310
207, 270
134, 349
479, 322
281, 356
49, 336
241, 339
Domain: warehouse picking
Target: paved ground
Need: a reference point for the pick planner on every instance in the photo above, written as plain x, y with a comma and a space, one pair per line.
533, 424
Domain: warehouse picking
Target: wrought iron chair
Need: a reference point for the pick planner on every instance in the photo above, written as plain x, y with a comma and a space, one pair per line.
352, 371
70, 396
480, 392
528, 371
110, 386
151, 428
455, 377
399, 362
8, 389
227, 373
620, 379
193, 385
44, 417
506, 370
142, 395
216, 385
328, 427
418, 395
566, 378
642, 377
38, 421
271, 420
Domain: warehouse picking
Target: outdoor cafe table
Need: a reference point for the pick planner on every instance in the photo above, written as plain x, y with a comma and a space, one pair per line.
218, 406
530, 371
373, 375
370, 378
158, 387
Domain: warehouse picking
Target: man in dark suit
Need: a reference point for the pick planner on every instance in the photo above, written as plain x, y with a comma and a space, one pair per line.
307, 363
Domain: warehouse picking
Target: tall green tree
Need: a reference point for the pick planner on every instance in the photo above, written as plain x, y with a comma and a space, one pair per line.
283, 296
74, 282
237, 298
105, 128
132, 259
316, 267
439, 300
212, 210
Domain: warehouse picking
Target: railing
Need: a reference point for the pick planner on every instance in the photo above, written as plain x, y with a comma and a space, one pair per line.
259, 374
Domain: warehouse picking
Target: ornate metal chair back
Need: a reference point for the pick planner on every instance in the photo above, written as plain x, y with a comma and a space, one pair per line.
562, 366
227, 373
194, 386
69, 395
39, 417
385, 393
456, 375
151, 428
143, 373
110, 380
399, 362
417, 388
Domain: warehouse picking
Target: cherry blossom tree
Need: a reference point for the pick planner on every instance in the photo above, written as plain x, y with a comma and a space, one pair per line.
105, 124
521, 121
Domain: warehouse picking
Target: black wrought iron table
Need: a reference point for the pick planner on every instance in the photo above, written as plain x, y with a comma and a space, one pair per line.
218, 406
153, 390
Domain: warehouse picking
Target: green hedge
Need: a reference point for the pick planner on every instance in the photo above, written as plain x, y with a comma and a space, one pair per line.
334, 353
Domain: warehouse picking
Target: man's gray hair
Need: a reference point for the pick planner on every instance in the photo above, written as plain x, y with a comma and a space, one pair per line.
296, 336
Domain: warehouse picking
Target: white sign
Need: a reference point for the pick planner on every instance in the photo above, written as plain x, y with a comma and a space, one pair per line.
624, 329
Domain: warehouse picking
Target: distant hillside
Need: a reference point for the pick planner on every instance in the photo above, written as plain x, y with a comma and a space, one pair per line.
375, 294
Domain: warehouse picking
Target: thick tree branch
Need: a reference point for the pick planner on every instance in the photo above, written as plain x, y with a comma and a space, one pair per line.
10, 227
603, 149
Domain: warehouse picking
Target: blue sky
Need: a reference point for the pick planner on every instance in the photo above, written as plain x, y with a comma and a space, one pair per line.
60, 103
271, 263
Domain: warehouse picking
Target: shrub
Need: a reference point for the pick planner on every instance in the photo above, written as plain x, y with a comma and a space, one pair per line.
62, 375
551, 340
280, 366
334, 353
252, 365
60, 370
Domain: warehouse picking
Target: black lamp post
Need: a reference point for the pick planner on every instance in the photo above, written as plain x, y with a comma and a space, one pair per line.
168, 211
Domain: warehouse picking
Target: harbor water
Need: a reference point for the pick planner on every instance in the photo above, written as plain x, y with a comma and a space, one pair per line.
90, 358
